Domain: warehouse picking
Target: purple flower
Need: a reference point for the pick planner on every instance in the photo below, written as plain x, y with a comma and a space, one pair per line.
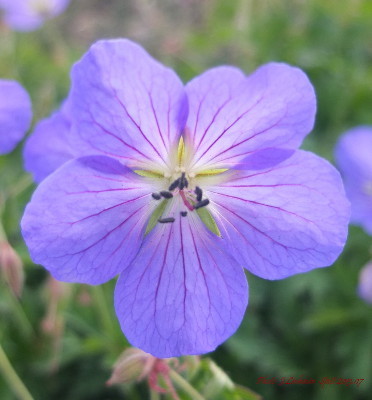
353, 156
28, 15
178, 188
15, 114
365, 283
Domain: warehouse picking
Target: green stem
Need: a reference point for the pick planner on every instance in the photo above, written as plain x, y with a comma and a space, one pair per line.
19, 314
2, 231
2, 206
104, 312
185, 386
154, 395
242, 18
12, 378
16, 307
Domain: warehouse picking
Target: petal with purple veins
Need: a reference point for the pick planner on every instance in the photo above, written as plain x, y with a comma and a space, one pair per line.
86, 221
285, 219
182, 294
208, 95
126, 104
15, 114
231, 117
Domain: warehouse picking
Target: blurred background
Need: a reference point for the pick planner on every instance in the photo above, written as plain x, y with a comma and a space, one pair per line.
64, 339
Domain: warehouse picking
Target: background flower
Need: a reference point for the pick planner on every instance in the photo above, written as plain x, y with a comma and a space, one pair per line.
15, 114
365, 283
353, 156
27, 15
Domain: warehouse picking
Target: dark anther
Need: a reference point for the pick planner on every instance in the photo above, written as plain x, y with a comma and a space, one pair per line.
166, 220
174, 184
183, 181
156, 196
166, 195
202, 203
199, 193
183, 213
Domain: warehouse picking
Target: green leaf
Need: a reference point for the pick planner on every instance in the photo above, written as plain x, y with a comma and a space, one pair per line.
211, 382
158, 212
243, 393
219, 381
208, 220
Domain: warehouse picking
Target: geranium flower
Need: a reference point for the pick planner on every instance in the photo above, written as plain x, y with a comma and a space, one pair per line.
353, 157
28, 15
179, 188
15, 114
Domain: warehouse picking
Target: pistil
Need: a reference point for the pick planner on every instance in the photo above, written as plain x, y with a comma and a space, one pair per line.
185, 201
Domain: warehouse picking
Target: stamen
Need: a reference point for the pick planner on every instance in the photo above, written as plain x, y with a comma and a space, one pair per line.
183, 182
166, 194
174, 184
202, 203
183, 213
156, 196
166, 220
199, 193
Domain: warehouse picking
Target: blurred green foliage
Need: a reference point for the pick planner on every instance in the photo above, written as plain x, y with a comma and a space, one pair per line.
311, 325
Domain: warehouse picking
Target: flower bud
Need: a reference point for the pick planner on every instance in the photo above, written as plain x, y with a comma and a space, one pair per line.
365, 283
11, 268
133, 365
84, 297
55, 292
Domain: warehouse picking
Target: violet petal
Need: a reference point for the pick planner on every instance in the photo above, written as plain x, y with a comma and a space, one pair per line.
86, 221
285, 219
